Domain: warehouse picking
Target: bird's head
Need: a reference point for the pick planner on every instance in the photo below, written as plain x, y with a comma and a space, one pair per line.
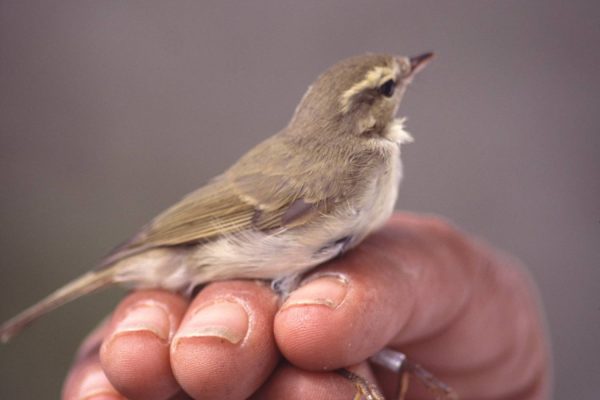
359, 95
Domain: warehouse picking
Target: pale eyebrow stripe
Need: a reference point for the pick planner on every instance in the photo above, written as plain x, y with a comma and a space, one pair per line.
371, 80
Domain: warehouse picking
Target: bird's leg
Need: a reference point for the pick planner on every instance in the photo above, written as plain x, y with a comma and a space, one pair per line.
364, 389
286, 284
397, 362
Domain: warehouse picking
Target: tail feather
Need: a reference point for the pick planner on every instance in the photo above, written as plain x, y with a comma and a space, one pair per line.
87, 283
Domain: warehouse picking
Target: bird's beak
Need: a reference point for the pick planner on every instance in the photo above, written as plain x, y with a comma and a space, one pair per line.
419, 62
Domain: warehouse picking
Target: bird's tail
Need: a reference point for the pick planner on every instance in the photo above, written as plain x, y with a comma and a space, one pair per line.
87, 283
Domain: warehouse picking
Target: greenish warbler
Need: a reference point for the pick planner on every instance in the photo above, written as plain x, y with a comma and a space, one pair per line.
296, 200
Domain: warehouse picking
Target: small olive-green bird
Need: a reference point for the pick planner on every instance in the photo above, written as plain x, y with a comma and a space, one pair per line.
296, 200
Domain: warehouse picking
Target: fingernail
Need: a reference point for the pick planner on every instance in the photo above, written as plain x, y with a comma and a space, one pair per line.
325, 290
146, 317
224, 320
95, 386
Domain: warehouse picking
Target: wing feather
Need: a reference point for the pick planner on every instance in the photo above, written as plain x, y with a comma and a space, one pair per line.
258, 192
221, 208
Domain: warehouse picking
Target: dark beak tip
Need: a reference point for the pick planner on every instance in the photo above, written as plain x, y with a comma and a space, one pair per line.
420, 61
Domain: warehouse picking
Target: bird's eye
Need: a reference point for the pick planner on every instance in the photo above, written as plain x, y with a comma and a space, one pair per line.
387, 89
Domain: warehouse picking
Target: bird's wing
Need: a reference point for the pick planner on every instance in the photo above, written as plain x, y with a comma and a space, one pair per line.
225, 206
258, 192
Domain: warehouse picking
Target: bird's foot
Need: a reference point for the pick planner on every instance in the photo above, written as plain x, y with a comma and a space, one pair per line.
397, 362
364, 389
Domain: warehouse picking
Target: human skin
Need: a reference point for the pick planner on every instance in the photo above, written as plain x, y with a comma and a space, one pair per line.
468, 313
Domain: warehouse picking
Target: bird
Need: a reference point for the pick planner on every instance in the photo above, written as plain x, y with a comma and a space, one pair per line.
301, 197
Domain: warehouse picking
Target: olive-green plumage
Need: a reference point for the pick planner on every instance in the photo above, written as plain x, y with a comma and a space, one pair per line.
299, 198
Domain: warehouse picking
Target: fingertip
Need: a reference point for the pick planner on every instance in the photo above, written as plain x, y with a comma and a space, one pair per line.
87, 381
303, 323
226, 336
135, 353
137, 364
329, 323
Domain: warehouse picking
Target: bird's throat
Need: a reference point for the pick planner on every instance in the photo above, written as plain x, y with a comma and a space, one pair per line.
396, 132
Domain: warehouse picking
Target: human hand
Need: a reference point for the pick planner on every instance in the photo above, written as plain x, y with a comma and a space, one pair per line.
419, 286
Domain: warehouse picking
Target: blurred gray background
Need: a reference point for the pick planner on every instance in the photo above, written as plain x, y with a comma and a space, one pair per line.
110, 111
